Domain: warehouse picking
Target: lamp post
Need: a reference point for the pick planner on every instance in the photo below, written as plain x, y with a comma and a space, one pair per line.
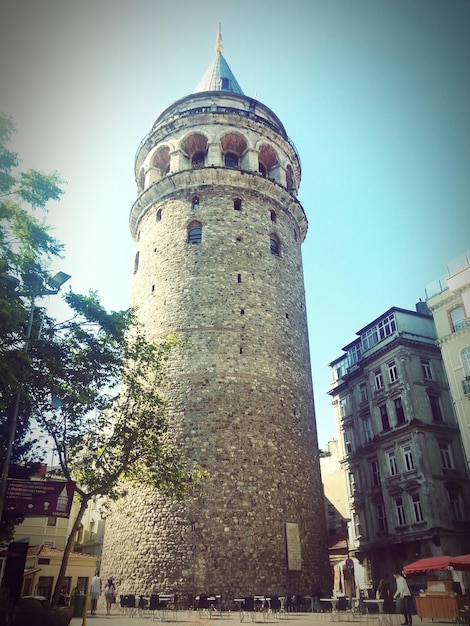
35, 288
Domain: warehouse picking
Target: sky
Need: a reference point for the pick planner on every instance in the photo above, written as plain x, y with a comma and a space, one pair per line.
375, 95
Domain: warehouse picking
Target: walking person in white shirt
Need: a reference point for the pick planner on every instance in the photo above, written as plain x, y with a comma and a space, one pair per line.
404, 592
95, 591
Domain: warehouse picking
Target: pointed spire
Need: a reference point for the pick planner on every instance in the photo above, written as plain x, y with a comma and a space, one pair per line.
219, 48
218, 76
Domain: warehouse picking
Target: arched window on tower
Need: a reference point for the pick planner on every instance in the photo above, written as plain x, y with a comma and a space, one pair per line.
290, 179
195, 203
161, 161
194, 148
197, 160
274, 245
231, 159
268, 163
234, 147
158, 215
195, 232
142, 179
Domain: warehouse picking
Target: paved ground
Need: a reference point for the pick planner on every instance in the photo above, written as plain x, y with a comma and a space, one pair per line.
192, 618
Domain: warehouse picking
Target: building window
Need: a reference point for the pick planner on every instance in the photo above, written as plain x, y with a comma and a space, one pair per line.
159, 215
274, 246
417, 509
231, 159
343, 407
455, 503
426, 369
400, 511
446, 456
368, 429
237, 204
354, 354
273, 216
399, 411
457, 317
466, 361
195, 235
435, 408
375, 472
392, 463
363, 392
379, 383
382, 518
379, 331
52, 521
195, 203
357, 525
348, 446
408, 458
136, 262
352, 483
392, 372
384, 417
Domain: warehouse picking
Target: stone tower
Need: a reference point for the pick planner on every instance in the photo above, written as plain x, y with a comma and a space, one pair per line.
218, 232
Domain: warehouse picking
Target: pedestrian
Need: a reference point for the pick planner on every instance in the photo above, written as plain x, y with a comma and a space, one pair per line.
404, 594
110, 595
95, 591
383, 593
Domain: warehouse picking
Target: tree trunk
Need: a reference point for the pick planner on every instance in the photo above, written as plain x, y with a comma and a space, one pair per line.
68, 548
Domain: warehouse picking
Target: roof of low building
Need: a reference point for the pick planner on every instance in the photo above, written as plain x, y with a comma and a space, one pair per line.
48, 552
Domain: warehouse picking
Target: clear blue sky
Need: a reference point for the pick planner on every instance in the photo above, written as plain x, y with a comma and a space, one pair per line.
375, 95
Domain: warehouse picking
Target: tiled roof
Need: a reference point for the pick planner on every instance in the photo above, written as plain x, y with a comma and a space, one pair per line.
47, 552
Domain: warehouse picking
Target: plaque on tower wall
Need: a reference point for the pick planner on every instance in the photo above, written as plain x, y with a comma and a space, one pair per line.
294, 555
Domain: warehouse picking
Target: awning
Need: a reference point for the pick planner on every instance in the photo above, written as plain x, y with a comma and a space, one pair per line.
439, 563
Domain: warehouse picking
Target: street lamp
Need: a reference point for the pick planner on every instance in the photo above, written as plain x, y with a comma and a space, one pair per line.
34, 287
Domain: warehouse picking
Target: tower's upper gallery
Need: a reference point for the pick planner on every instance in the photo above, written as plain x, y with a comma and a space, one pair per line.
218, 126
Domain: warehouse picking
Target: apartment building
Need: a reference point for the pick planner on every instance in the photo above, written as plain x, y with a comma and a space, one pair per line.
407, 484
448, 300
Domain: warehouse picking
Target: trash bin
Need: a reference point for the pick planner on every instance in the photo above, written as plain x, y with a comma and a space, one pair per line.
78, 604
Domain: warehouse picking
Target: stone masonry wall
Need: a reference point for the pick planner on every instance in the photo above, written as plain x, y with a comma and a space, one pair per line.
240, 396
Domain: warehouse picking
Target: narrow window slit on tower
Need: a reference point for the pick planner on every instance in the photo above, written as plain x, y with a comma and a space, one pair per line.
239, 277
242, 311
241, 350
195, 203
237, 204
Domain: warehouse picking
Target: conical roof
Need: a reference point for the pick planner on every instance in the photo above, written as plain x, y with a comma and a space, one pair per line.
218, 76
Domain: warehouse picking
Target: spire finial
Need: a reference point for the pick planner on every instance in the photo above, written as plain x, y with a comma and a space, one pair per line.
218, 45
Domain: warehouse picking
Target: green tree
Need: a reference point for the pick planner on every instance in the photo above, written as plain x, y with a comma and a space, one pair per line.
26, 249
104, 410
